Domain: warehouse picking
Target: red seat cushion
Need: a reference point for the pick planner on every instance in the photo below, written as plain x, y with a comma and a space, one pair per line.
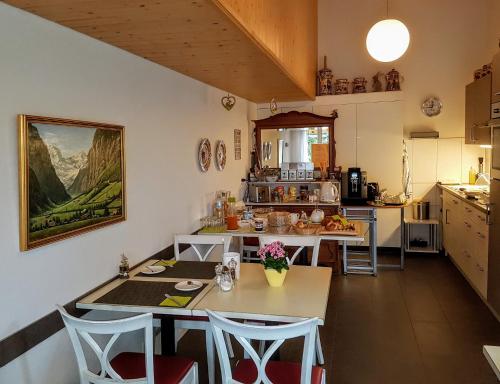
279, 372
167, 369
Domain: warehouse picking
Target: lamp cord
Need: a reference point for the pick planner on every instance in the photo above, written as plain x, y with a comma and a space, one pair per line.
387, 8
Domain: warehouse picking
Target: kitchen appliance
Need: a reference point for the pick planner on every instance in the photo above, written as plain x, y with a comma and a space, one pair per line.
373, 191
354, 186
494, 221
259, 194
421, 210
329, 192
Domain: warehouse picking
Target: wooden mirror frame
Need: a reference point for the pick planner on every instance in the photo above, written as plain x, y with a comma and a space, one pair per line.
296, 119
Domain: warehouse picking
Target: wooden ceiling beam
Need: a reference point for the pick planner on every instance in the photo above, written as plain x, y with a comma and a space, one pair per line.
254, 49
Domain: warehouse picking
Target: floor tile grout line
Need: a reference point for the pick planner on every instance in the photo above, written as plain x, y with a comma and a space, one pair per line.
426, 373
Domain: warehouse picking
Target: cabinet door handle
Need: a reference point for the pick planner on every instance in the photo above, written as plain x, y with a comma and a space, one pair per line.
481, 269
497, 93
446, 216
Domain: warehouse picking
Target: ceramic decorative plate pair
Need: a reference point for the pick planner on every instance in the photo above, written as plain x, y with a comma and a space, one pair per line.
220, 155
205, 155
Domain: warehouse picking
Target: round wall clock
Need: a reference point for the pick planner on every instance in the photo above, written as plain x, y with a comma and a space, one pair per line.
220, 155
432, 106
204, 155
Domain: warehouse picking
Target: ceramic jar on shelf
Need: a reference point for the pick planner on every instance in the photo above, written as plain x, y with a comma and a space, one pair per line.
341, 87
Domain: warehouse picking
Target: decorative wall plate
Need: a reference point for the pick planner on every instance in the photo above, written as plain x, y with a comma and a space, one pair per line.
432, 106
220, 155
204, 155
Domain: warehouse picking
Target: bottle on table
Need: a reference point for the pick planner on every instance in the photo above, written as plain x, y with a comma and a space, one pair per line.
231, 217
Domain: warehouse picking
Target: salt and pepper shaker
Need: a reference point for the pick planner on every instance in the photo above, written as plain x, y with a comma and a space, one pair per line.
226, 283
232, 268
124, 267
218, 274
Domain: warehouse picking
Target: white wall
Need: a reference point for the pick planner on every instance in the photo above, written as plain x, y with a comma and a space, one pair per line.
449, 40
48, 70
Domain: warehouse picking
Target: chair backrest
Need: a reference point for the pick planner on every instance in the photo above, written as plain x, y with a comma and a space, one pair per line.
196, 240
80, 329
295, 241
244, 333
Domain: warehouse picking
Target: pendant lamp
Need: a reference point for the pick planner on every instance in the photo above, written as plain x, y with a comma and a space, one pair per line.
388, 39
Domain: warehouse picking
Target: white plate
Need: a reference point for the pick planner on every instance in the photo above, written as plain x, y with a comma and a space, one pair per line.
184, 286
153, 269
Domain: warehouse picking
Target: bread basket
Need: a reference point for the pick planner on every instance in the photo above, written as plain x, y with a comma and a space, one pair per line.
309, 229
278, 219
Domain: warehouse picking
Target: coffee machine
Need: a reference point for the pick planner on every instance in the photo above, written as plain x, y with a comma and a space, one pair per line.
354, 187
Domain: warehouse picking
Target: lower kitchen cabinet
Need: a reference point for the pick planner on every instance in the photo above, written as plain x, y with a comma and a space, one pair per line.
465, 240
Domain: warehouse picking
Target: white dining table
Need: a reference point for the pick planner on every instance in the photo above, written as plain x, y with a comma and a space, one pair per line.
250, 232
304, 295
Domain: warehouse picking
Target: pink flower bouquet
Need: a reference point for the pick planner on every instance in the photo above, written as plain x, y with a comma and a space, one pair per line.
273, 256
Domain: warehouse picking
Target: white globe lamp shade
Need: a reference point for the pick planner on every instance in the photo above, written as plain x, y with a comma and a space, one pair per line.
388, 40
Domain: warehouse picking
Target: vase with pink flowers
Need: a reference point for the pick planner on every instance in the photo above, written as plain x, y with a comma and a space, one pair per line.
273, 258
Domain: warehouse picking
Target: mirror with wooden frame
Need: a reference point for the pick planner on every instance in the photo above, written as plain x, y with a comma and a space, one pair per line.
296, 137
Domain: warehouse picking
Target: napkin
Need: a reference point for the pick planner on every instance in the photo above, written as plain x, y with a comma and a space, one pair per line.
166, 263
181, 299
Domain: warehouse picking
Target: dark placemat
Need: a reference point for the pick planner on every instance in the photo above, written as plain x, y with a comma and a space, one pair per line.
146, 293
191, 270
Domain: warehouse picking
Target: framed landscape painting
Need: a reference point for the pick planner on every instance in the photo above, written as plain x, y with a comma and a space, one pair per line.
71, 178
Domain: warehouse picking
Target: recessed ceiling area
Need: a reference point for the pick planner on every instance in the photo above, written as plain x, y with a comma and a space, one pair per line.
196, 38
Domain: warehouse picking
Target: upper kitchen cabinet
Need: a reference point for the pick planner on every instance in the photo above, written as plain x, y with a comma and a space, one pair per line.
478, 111
254, 49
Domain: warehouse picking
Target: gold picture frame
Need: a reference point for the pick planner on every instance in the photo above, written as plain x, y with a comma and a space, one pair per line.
71, 178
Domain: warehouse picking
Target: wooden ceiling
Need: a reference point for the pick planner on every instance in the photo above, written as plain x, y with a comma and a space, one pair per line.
211, 41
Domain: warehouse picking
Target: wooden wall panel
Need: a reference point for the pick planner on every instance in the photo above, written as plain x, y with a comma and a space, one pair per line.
193, 37
287, 30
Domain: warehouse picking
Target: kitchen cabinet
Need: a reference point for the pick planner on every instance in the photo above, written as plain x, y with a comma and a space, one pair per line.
495, 83
478, 111
465, 240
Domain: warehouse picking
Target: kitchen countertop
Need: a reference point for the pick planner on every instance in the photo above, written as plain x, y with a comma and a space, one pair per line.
454, 190
298, 203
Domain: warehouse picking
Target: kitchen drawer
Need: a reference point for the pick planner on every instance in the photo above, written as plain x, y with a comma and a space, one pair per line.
480, 219
479, 246
478, 276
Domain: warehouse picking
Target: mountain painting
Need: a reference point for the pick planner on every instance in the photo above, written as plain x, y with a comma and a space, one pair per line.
71, 178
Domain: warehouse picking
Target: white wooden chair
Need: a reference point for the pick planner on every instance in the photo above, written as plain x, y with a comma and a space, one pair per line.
300, 242
198, 322
246, 251
196, 241
126, 367
260, 369
295, 241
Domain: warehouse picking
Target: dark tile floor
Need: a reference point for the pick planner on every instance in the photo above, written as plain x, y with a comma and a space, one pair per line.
421, 325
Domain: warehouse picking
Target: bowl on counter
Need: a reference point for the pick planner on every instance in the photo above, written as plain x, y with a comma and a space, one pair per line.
271, 179
245, 224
